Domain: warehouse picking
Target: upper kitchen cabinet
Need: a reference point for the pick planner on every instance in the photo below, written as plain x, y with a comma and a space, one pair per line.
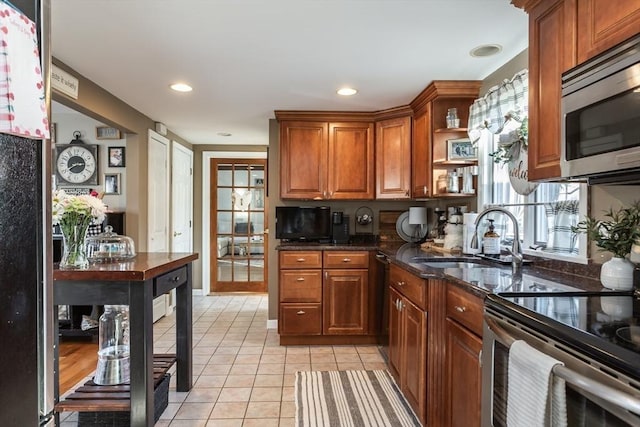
604, 24
303, 160
322, 160
421, 153
562, 34
552, 51
393, 157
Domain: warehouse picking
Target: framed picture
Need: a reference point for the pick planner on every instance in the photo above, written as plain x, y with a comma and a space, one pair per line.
111, 183
116, 157
461, 149
106, 132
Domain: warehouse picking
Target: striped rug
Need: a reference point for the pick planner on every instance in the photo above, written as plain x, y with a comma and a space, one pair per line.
350, 399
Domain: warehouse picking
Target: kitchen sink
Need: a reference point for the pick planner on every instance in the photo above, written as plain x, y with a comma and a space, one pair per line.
455, 264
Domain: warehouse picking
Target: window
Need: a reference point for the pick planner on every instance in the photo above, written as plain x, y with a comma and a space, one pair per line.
544, 217
546, 211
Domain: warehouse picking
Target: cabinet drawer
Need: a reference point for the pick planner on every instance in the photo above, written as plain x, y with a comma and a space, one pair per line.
300, 259
300, 319
465, 308
412, 287
170, 280
301, 286
346, 259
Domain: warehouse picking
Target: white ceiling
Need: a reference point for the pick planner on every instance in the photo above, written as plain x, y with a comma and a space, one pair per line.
247, 58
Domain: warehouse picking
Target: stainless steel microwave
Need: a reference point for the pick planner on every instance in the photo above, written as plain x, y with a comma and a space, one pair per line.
601, 117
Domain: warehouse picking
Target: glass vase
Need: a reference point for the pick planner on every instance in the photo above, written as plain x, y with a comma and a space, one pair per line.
74, 254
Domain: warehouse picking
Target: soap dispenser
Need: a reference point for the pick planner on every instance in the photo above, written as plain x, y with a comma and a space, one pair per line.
491, 241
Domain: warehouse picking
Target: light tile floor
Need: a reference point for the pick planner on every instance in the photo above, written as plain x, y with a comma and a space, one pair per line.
241, 375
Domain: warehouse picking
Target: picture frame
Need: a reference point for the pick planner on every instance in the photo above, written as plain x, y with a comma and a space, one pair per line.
116, 157
461, 149
112, 183
107, 132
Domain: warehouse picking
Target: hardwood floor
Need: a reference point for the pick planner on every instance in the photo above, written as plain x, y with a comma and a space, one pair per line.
77, 360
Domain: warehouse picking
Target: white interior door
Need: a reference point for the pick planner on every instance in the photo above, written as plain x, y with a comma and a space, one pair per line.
181, 198
158, 194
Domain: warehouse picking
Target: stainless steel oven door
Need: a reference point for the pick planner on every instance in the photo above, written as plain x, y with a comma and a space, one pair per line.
596, 394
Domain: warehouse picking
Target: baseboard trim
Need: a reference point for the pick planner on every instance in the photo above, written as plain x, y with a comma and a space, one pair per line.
272, 323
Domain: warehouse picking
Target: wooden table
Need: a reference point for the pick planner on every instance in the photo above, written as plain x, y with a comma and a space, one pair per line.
135, 283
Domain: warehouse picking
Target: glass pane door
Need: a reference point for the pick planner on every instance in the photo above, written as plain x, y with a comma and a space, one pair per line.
238, 222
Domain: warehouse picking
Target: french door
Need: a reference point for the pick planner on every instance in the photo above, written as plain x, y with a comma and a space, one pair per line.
238, 218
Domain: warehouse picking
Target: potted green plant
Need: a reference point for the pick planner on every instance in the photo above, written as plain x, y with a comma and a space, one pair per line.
616, 235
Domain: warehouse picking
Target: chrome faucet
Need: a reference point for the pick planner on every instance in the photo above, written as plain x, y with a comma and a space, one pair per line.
515, 250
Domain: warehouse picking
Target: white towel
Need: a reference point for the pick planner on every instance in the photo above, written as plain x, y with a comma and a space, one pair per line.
530, 384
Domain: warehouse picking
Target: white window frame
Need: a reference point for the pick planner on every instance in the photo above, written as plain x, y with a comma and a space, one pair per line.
485, 199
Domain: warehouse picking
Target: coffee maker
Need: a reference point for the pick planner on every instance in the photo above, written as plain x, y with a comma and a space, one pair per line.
339, 228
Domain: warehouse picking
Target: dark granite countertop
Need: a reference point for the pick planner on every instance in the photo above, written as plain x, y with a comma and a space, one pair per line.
481, 276
475, 274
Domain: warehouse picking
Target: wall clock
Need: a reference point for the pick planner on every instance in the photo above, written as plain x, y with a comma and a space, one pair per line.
77, 163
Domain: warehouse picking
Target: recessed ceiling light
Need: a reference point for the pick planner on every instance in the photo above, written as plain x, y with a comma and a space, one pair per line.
224, 134
181, 87
485, 50
347, 91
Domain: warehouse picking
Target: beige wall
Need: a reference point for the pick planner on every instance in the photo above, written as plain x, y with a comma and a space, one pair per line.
97, 103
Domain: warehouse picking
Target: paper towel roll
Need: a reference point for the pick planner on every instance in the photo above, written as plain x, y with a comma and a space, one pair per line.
469, 221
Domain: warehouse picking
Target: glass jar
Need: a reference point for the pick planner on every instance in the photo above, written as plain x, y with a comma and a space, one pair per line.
452, 182
452, 118
109, 247
113, 346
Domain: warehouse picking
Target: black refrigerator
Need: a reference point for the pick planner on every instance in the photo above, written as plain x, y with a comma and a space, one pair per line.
26, 323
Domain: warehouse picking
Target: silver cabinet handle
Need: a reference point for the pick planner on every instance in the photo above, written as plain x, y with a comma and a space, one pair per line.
460, 309
300, 313
301, 260
346, 260
300, 279
425, 190
401, 283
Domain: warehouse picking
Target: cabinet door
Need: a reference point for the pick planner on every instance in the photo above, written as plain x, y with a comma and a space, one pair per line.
303, 160
351, 161
393, 158
463, 376
604, 24
421, 155
395, 333
552, 50
414, 365
344, 300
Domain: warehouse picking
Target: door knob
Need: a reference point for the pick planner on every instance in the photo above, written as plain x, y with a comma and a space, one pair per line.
175, 234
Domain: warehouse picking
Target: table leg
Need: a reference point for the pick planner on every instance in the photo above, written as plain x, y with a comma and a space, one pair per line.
141, 352
184, 326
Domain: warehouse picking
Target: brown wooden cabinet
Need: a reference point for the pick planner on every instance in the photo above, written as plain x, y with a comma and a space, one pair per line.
604, 24
393, 158
463, 349
322, 160
552, 50
300, 290
345, 292
421, 154
408, 337
324, 296
463, 376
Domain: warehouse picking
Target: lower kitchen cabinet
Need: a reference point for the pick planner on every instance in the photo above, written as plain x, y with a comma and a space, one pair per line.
345, 299
463, 384
408, 345
325, 297
463, 352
